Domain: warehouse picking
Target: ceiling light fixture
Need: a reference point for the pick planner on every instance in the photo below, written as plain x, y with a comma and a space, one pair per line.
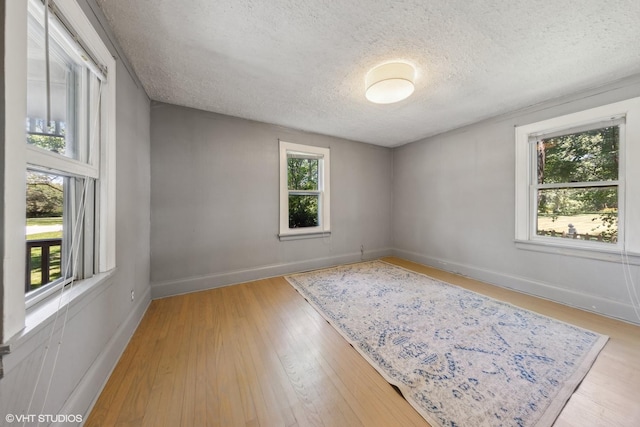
390, 82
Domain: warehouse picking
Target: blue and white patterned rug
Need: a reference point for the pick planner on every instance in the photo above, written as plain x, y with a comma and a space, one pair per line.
460, 358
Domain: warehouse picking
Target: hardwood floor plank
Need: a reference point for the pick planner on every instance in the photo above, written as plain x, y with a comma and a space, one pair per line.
130, 395
188, 416
257, 354
282, 359
255, 397
214, 351
228, 392
166, 377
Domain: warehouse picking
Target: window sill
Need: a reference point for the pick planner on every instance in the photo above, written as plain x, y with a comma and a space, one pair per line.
597, 253
43, 314
299, 236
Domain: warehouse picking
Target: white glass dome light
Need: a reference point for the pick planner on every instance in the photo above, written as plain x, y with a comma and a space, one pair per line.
389, 83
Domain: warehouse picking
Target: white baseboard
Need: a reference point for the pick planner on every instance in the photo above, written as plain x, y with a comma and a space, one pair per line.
194, 284
592, 303
86, 394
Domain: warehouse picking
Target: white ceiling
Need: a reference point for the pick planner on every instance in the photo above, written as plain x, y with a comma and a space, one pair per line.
302, 63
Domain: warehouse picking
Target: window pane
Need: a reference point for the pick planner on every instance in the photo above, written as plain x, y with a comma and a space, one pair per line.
303, 211
55, 133
45, 223
579, 213
579, 157
303, 174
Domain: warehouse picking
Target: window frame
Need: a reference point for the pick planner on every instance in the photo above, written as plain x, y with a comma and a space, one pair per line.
80, 171
323, 192
526, 180
22, 157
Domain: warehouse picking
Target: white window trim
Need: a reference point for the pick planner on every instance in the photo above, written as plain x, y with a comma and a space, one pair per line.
39, 157
629, 181
15, 155
324, 229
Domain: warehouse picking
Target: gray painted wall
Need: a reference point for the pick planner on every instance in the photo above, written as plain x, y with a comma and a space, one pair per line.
454, 198
214, 201
101, 322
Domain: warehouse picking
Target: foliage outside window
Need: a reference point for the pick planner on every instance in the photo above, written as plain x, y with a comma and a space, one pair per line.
577, 185
304, 194
304, 190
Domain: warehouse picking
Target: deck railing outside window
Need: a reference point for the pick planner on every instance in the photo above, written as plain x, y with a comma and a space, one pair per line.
43, 256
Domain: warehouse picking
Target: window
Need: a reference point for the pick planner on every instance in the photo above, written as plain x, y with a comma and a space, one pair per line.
69, 151
304, 191
576, 187
573, 188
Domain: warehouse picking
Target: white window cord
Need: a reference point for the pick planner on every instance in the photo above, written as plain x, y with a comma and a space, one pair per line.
630, 284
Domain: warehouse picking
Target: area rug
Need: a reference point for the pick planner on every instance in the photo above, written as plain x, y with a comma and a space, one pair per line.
458, 357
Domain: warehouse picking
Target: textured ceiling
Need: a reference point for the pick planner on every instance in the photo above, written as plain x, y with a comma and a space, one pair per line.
302, 64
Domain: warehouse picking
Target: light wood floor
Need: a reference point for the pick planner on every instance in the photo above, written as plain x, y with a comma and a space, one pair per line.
257, 354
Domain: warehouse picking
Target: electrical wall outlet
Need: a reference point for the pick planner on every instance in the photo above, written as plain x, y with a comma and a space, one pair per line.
133, 295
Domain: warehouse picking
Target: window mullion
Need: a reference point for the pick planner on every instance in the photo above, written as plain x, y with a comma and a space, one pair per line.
588, 184
41, 158
81, 111
305, 192
69, 228
89, 230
